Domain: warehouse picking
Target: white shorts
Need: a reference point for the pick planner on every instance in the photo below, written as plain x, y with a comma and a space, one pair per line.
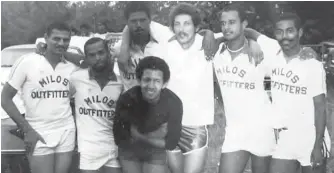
56, 142
259, 141
296, 144
96, 160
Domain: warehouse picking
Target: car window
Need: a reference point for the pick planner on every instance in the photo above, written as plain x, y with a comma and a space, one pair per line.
9, 56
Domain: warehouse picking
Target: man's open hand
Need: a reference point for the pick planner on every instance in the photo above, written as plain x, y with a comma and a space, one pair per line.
30, 140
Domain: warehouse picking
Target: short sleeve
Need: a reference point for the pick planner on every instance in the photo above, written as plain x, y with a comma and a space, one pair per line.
18, 73
160, 32
317, 78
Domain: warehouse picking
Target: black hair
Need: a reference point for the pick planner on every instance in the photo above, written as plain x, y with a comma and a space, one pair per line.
238, 7
59, 26
137, 6
185, 8
93, 41
289, 16
153, 63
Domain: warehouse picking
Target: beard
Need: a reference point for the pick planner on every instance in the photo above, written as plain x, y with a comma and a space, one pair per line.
140, 38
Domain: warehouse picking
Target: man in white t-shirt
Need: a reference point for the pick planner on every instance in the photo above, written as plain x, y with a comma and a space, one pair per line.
96, 91
48, 126
192, 80
248, 131
298, 90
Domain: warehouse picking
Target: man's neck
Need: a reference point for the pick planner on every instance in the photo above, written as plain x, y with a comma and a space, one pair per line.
102, 75
292, 53
237, 43
53, 59
154, 101
142, 41
187, 45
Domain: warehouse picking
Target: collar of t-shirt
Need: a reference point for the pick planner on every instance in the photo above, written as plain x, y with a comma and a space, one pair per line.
111, 75
62, 59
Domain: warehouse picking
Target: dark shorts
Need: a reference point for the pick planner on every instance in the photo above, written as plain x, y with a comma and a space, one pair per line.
152, 156
192, 138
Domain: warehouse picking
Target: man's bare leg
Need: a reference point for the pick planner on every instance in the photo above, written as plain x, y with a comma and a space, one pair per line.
89, 171
129, 166
233, 162
106, 169
42, 163
194, 162
175, 161
154, 168
282, 165
260, 164
63, 162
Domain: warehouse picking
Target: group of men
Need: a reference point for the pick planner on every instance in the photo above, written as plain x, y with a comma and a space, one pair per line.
155, 114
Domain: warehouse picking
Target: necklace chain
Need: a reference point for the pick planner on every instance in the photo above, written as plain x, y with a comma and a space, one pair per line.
235, 51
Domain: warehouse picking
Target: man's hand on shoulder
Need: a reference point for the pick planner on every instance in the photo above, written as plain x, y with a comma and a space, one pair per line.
209, 44
255, 53
40, 48
307, 53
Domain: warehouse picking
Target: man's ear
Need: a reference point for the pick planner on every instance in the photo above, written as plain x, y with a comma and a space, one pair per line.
197, 29
300, 32
165, 85
244, 23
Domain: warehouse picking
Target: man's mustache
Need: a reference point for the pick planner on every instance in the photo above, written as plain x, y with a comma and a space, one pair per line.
182, 33
286, 40
139, 30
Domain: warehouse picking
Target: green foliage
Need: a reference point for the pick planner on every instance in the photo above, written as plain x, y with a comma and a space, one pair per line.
23, 22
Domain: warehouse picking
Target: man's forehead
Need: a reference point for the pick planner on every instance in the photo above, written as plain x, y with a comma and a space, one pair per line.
60, 33
287, 23
138, 15
231, 14
183, 17
95, 47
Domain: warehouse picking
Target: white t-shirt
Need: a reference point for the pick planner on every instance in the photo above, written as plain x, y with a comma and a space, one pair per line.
95, 110
293, 86
246, 102
192, 80
45, 92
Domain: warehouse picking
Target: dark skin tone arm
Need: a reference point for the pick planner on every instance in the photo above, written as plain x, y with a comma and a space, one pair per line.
8, 105
155, 138
30, 135
320, 125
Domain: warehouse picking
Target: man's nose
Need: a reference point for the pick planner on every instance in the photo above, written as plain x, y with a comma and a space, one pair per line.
61, 42
138, 23
151, 84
